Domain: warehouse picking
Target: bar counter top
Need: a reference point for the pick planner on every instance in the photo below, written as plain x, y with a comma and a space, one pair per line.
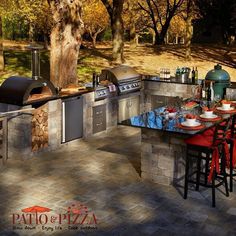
172, 79
157, 120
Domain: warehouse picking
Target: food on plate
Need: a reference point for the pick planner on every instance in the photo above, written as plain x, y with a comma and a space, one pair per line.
105, 82
205, 108
190, 105
171, 109
225, 102
190, 119
190, 116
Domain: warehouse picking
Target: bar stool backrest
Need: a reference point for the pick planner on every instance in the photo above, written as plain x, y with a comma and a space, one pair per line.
221, 131
233, 127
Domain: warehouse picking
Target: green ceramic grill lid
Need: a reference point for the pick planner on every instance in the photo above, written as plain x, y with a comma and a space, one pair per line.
218, 74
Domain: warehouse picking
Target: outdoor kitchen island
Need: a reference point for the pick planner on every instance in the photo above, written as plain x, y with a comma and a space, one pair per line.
162, 145
162, 142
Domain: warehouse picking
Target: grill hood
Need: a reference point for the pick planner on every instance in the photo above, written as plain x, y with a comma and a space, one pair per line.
124, 77
119, 74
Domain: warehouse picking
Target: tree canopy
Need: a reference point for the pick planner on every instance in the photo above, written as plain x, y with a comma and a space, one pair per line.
160, 14
95, 18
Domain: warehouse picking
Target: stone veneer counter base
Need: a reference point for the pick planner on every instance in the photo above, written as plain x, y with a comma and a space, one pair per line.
162, 156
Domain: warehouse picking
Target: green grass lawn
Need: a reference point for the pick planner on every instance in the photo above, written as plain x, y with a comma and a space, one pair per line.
18, 63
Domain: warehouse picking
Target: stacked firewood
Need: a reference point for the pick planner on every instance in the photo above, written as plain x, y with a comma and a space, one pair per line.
40, 128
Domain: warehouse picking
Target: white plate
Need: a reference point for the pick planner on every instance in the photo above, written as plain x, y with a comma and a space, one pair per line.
185, 123
208, 117
222, 109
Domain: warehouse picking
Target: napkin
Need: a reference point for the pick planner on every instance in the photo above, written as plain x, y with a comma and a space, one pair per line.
112, 88
190, 105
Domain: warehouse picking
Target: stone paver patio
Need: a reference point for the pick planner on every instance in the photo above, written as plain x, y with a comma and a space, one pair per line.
103, 174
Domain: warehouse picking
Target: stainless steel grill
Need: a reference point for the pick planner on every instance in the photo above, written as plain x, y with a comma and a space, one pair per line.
101, 92
124, 77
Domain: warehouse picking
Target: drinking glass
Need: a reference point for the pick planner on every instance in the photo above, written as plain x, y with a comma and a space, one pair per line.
217, 98
227, 97
203, 103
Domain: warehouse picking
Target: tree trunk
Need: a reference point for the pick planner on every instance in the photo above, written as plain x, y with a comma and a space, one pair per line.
167, 38
94, 34
117, 32
189, 30
1, 48
31, 32
157, 39
65, 41
45, 40
160, 37
114, 9
133, 35
94, 38
136, 39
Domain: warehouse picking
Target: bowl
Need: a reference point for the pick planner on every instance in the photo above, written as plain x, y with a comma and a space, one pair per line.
208, 113
172, 114
191, 121
226, 106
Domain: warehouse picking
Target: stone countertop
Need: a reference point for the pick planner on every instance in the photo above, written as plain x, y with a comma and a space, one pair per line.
156, 120
68, 94
172, 79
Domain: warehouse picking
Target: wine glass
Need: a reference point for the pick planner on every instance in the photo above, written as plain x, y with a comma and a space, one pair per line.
217, 98
227, 97
203, 103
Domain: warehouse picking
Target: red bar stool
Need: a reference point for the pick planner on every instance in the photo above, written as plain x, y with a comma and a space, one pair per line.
210, 151
231, 140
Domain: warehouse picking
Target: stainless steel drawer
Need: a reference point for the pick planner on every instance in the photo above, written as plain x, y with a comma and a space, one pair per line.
99, 118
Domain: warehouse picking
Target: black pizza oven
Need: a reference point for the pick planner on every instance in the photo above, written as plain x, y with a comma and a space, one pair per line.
21, 91
126, 78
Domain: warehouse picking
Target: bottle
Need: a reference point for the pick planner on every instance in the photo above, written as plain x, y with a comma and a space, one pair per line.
164, 73
177, 72
97, 80
168, 74
212, 91
94, 80
203, 89
193, 76
161, 73
208, 92
196, 75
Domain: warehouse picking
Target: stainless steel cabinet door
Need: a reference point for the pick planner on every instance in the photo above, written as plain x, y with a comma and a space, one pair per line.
72, 119
129, 107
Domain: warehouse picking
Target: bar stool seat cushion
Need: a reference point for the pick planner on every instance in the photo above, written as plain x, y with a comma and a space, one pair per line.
206, 140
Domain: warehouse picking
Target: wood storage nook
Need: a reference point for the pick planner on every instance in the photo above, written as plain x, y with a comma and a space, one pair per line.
40, 128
